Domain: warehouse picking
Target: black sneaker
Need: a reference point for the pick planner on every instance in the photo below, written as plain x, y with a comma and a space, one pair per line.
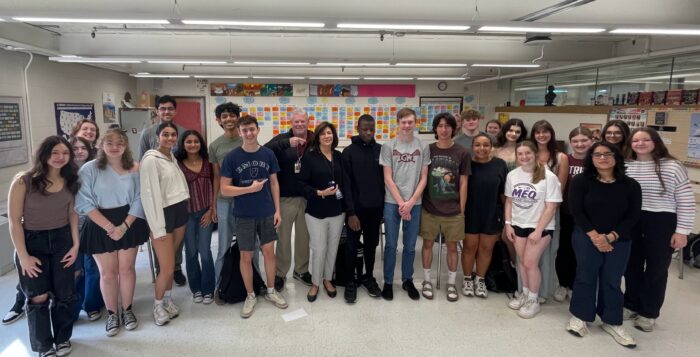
305, 278
279, 283
411, 289
388, 292
350, 293
179, 278
50, 353
372, 287
14, 314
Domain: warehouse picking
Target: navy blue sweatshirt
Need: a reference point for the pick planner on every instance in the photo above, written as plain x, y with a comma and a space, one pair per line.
286, 157
365, 176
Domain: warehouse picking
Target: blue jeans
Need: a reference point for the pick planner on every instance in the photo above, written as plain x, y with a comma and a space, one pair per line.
227, 227
92, 300
198, 247
392, 221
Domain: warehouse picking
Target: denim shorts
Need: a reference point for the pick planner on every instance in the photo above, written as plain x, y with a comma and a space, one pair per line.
525, 232
248, 228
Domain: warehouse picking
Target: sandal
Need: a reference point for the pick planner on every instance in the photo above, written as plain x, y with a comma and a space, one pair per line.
427, 290
452, 293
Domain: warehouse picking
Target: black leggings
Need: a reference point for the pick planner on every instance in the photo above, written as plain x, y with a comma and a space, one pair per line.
565, 263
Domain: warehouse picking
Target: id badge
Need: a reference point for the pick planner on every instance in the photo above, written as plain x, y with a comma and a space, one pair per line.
297, 167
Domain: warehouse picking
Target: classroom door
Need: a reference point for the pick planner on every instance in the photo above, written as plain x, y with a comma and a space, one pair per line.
190, 114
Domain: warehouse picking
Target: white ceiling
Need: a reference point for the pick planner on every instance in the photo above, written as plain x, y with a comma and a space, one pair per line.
202, 42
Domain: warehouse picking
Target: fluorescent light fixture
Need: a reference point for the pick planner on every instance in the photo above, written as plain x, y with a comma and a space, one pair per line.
441, 79
253, 23
388, 78
402, 27
272, 63
540, 29
219, 76
402, 64
337, 78
69, 56
352, 64
277, 77
94, 60
506, 65
91, 21
637, 31
142, 73
184, 62
162, 75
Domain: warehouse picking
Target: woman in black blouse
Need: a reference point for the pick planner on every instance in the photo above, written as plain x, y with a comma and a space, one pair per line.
605, 204
322, 176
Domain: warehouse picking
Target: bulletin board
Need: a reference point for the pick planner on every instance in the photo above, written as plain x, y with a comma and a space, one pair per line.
13, 136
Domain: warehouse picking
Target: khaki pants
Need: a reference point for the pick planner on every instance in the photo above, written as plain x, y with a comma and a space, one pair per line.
292, 215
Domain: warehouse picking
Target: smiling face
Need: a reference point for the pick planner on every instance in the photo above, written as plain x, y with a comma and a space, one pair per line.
407, 125
192, 144
580, 144
300, 124
166, 111
60, 155
642, 144
493, 129
228, 121
513, 133
543, 136
613, 134
87, 131
470, 123
167, 138
325, 137
525, 155
113, 146
249, 132
603, 158
481, 147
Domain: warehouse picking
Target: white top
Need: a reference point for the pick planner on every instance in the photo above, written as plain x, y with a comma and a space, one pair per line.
107, 189
162, 184
529, 198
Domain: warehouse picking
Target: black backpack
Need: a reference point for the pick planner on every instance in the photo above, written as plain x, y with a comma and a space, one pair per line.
501, 276
341, 275
691, 253
231, 288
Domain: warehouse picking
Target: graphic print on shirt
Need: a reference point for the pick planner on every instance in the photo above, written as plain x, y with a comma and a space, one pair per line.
575, 170
524, 195
406, 157
251, 170
442, 179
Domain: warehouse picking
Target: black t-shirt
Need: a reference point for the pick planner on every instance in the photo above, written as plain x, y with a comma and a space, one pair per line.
484, 213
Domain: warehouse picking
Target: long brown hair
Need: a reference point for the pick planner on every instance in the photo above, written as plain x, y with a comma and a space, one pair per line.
37, 176
660, 151
551, 145
539, 173
127, 158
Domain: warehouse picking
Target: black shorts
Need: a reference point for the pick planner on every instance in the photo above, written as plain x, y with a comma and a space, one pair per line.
175, 216
525, 232
247, 229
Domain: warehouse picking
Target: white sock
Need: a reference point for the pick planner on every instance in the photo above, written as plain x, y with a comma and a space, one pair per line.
532, 296
451, 277
526, 291
166, 296
252, 295
158, 302
479, 278
426, 274
270, 290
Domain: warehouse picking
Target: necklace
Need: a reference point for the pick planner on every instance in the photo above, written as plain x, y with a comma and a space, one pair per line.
606, 180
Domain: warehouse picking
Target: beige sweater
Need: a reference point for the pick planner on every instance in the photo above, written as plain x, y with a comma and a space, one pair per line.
162, 184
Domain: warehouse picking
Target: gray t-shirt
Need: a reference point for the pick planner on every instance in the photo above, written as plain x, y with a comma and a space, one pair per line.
219, 148
406, 160
466, 140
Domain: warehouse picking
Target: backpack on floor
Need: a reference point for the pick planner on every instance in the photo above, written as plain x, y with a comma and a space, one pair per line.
691, 253
341, 275
501, 276
231, 287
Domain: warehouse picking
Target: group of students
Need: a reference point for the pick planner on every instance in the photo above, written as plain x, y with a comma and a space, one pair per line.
469, 186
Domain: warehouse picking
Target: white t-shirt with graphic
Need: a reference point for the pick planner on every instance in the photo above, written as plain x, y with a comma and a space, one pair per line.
528, 198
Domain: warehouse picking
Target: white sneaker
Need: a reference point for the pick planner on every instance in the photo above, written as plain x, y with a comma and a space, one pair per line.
171, 308
577, 327
160, 315
248, 306
517, 302
208, 299
468, 287
197, 297
620, 335
276, 299
529, 309
628, 314
644, 324
481, 290
560, 294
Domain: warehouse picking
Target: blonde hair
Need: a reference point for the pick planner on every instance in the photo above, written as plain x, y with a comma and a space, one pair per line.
539, 173
127, 158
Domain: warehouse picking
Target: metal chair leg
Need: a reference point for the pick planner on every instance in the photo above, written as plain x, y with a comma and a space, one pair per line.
150, 261
381, 238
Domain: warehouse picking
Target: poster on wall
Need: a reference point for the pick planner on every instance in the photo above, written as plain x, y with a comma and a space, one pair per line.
109, 109
633, 117
333, 90
694, 137
432, 106
13, 141
251, 90
67, 114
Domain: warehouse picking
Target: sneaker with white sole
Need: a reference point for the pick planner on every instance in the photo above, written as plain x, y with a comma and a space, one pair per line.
529, 309
172, 309
577, 327
517, 302
197, 298
112, 325
276, 299
628, 314
468, 287
160, 315
63, 349
481, 290
208, 299
129, 320
560, 294
248, 306
644, 324
620, 335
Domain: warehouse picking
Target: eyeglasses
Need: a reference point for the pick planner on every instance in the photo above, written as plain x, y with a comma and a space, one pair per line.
166, 109
613, 133
600, 155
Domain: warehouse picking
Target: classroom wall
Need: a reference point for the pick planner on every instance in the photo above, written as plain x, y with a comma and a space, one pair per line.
51, 82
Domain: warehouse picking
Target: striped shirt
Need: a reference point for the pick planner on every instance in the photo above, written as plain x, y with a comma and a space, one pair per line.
200, 186
677, 197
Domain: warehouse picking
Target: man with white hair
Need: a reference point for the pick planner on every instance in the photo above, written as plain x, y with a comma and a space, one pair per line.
289, 148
